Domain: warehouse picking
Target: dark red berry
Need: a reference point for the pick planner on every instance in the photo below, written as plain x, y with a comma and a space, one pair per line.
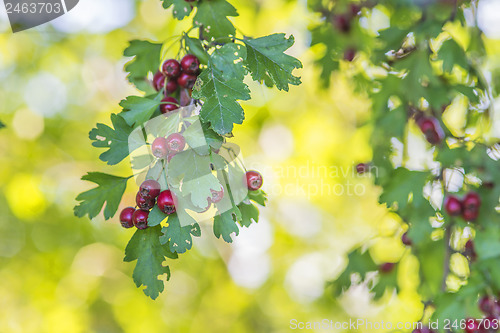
342, 23
144, 203
470, 215
386, 267
166, 202
171, 86
432, 130
169, 104
469, 251
453, 205
190, 64
254, 180
186, 80
349, 54
361, 168
489, 324
472, 326
472, 201
487, 304
140, 219
405, 239
159, 148
149, 189
354, 9
126, 217
216, 195
158, 81
175, 143
424, 329
171, 68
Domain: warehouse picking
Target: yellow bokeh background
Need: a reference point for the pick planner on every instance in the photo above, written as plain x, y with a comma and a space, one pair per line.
59, 273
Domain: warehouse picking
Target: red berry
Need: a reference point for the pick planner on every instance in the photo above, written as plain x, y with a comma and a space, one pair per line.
354, 9
472, 201
349, 54
140, 219
166, 202
489, 324
149, 189
405, 239
126, 217
254, 180
487, 304
386, 267
469, 251
171, 68
432, 130
216, 195
186, 80
184, 97
169, 104
190, 64
361, 168
158, 81
175, 143
171, 86
472, 326
144, 203
470, 215
453, 206
159, 148
342, 23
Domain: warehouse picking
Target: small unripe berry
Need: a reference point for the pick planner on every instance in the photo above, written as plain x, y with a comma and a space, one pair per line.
190, 64
186, 80
171, 68
158, 81
453, 206
159, 148
126, 216
175, 143
166, 203
140, 219
169, 104
254, 180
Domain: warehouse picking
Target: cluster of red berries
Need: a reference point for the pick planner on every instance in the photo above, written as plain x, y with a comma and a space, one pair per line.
148, 195
173, 75
468, 207
490, 306
166, 148
342, 22
432, 130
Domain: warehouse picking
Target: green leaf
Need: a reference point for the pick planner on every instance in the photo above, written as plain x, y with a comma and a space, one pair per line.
213, 17
145, 247
138, 110
146, 59
192, 174
156, 216
452, 54
431, 257
401, 184
258, 196
194, 46
109, 190
266, 58
220, 92
249, 214
487, 243
115, 139
179, 238
225, 225
419, 221
181, 8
